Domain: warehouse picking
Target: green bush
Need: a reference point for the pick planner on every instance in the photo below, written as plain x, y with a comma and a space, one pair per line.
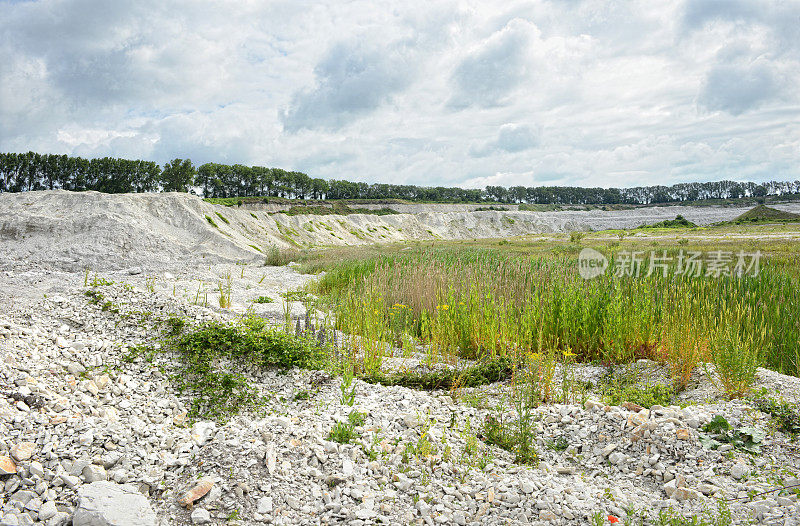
786, 415
213, 354
263, 299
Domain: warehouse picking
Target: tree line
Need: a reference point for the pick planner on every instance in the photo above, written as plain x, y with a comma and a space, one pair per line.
29, 171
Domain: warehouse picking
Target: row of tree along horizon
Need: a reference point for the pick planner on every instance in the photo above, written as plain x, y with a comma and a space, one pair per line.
21, 172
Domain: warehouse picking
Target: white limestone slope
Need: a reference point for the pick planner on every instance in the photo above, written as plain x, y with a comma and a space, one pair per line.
75, 230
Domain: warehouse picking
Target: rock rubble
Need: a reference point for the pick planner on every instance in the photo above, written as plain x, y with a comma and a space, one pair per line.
89, 438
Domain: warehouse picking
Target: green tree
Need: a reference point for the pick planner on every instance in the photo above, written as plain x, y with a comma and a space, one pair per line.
178, 175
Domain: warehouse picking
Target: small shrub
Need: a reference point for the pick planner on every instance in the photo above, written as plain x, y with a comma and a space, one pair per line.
211, 222
506, 435
576, 237
486, 372
559, 444
721, 517
718, 431
342, 433
263, 299
785, 415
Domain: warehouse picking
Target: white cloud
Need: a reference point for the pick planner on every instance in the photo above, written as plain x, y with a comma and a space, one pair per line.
512, 138
588, 92
491, 71
352, 79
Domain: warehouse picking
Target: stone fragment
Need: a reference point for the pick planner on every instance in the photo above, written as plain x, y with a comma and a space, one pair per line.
270, 459
682, 434
682, 494
264, 505
70, 481
109, 504
616, 457
547, 515
527, 487
23, 451
200, 488
37, 469
203, 432
94, 473
739, 471
7, 466
200, 516
608, 449
630, 406
47, 510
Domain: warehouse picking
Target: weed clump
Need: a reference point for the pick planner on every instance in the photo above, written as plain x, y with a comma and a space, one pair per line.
278, 258
646, 396
263, 299
785, 415
342, 433
211, 222
718, 432
213, 356
487, 372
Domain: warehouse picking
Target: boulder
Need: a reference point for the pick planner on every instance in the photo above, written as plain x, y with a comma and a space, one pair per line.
110, 504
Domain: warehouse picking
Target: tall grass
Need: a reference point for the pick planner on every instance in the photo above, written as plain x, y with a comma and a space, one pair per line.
485, 303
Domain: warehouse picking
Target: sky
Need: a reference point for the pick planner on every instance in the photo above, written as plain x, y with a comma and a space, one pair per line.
454, 93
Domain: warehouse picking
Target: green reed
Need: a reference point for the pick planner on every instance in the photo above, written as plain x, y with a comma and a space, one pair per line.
478, 303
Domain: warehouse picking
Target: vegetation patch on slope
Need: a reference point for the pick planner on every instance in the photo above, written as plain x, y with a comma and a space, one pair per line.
678, 222
766, 214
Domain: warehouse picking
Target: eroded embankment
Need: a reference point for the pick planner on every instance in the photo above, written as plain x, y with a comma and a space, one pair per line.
89, 229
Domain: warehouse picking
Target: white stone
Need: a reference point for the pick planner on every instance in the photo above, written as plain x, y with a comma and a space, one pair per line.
110, 504
36, 469
739, 471
203, 432
200, 516
94, 473
47, 510
264, 505
527, 487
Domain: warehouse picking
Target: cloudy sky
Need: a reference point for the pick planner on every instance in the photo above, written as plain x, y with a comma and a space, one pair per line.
568, 92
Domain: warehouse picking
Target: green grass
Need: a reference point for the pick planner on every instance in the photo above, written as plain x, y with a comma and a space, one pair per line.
277, 257
786, 415
483, 373
211, 222
511, 301
647, 396
224, 219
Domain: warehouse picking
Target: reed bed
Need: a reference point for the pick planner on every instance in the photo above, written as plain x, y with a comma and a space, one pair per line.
486, 303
